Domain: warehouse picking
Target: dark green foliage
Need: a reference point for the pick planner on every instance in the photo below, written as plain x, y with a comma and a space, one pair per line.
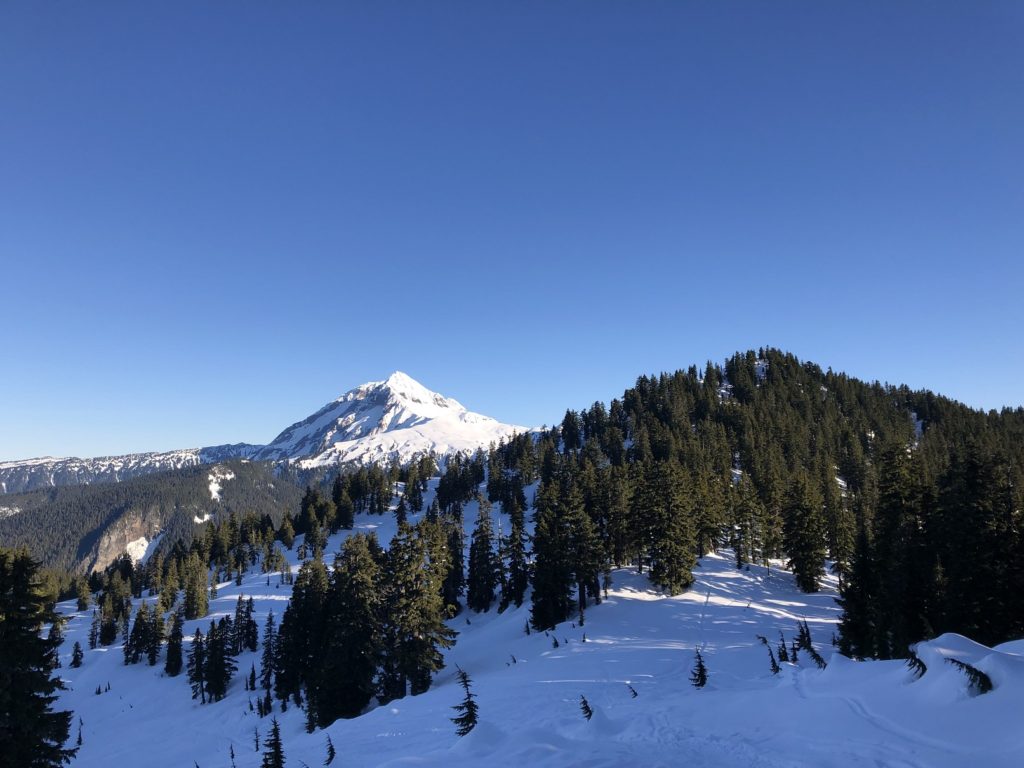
31, 733
567, 551
196, 578
804, 641
664, 506
77, 655
173, 662
146, 636
482, 578
804, 533
269, 654
220, 664
414, 631
197, 666
980, 683
348, 660
699, 675
273, 749
917, 667
331, 754
517, 577
300, 636
858, 594
783, 652
585, 708
468, 709
454, 578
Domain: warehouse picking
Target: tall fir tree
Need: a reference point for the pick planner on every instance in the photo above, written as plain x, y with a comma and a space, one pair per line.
32, 734
804, 533
352, 638
468, 710
273, 749
175, 639
197, 666
482, 578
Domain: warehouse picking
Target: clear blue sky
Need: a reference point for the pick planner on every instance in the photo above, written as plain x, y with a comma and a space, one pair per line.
217, 216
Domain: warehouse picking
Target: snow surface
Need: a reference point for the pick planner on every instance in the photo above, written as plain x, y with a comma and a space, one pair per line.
141, 548
850, 714
137, 549
9, 511
216, 477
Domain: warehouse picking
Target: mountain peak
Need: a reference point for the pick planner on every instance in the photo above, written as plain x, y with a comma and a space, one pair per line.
400, 379
407, 388
397, 418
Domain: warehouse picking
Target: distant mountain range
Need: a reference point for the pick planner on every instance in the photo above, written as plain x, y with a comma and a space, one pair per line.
397, 418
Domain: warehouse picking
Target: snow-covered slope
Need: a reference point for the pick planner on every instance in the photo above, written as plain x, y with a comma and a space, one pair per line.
397, 418
384, 420
851, 714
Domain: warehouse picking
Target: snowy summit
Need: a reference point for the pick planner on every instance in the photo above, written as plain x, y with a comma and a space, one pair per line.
397, 418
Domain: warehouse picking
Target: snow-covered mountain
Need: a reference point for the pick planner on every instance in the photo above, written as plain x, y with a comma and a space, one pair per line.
397, 418
383, 420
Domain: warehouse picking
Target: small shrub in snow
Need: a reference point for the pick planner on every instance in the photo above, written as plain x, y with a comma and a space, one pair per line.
917, 666
585, 707
468, 710
699, 676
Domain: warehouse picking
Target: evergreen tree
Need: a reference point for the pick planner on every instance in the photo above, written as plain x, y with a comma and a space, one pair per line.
197, 666
513, 588
414, 631
858, 594
352, 640
173, 662
84, 595
553, 576
31, 733
699, 676
269, 653
468, 709
250, 634
94, 631
196, 595
343, 504
672, 541
454, 578
220, 665
77, 655
273, 752
804, 534
483, 566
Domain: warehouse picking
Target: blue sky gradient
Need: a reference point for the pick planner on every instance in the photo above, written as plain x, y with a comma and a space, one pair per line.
215, 217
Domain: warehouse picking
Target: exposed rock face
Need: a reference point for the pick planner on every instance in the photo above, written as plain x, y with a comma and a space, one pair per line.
130, 528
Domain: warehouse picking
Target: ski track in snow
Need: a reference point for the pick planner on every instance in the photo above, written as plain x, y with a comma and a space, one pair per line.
853, 714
